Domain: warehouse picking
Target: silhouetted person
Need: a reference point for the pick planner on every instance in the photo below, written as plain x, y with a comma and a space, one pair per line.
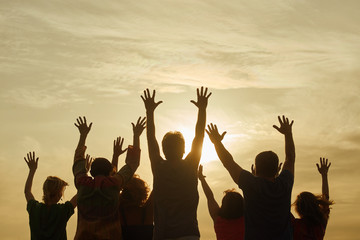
136, 210
229, 218
267, 197
98, 196
175, 180
136, 207
313, 209
47, 220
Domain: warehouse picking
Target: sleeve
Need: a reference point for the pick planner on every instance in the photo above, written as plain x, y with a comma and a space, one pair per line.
68, 209
287, 177
246, 180
132, 155
79, 169
30, 205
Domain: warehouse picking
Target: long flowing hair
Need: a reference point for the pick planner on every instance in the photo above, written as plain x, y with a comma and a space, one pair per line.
314, 209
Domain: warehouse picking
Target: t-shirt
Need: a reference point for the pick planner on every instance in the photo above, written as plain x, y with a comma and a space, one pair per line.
175, 199
229, 229
97, 203
306, 231
267, 205
49, 221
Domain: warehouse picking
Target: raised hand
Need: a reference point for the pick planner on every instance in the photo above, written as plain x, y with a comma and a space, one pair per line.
139, 127
88, 162
285, 126
202, 98
118, 144
324, 166
213, 133
149, 100
31, 161
200, 173
84, 129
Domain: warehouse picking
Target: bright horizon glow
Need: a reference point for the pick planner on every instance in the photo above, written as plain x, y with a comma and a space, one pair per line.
208, 151
260, 59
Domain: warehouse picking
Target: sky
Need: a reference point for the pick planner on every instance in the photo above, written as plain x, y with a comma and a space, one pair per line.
260, 59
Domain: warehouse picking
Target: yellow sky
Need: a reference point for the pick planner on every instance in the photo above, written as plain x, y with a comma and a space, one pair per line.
64, 59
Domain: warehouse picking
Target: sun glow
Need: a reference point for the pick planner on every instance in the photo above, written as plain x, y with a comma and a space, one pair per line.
208, 151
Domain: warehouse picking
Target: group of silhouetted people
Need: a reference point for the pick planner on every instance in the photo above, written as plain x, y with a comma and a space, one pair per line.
118, 204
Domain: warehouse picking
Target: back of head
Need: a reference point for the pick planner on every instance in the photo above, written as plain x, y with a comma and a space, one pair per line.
232, 205
173, 145
135, 192
53, 189
100, 166
266, 164
312, 208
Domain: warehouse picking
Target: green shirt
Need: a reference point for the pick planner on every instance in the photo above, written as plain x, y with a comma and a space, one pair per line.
49, 221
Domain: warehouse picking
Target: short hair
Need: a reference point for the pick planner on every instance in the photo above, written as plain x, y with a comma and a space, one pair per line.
52, 188
173, 145
232, 205
135, 192
314, 209
100, 166
266, 164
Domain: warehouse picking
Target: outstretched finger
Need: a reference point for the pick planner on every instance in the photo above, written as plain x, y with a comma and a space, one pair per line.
223, 135
276, 127
209, 95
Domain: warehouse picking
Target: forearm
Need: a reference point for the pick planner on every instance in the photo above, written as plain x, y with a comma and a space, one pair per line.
206, 188
153, 146
28, 185
325, 186
224, 155
136, 141
80, 151
289, 163
115, 161
74, 200
200, 124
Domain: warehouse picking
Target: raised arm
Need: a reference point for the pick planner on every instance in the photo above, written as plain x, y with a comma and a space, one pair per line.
132, 162
84, 130
201, 103
117, 151
32, 163
225, 157
213, 206
323, 170
286, 129
138, 128
153, 146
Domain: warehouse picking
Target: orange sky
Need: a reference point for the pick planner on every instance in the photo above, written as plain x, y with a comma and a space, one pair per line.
64, 59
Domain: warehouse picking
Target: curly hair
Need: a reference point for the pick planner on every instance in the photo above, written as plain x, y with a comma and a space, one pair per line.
135, 192
52, 188
313, 208
232, 205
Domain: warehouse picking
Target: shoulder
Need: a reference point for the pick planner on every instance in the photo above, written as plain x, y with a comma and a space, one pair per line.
287, 176
33, 204
245, 178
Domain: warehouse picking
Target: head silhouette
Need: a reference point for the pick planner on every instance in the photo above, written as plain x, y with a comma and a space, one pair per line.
313, 208
173, 145
232, 205
266, 164
53, 189
100, 166
135, 192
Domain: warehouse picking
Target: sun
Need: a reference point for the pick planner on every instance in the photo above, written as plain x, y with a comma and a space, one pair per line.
208, 152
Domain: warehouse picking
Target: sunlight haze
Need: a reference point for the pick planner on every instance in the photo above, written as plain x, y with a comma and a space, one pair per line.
260, 59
